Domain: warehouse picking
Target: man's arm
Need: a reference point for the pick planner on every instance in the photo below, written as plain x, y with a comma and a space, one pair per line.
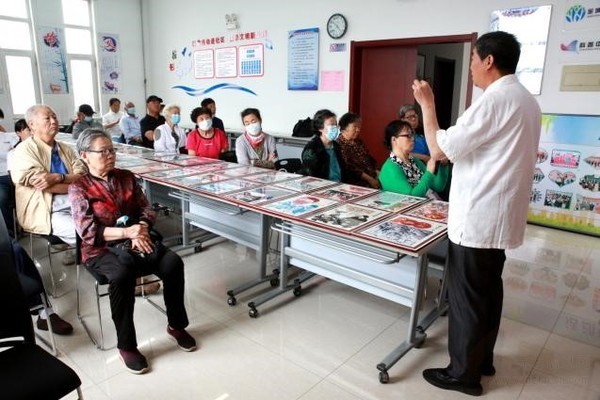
424, 96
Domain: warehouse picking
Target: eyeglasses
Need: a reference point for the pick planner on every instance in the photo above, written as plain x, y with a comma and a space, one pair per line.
411, 116
408, 135
105, 152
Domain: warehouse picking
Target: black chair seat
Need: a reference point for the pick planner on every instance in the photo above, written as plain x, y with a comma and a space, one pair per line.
43, 371
229, 156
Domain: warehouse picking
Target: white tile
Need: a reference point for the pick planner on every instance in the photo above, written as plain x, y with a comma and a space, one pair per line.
329, 391
549, 387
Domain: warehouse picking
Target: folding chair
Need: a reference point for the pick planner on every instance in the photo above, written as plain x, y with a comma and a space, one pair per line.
51, 241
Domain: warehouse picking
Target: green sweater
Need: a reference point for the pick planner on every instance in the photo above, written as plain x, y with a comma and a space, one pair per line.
393, 179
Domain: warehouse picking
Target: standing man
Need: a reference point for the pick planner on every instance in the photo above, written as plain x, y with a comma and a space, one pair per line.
110, 121
42, 170
212, 106
151, 121
493, 147
130, 126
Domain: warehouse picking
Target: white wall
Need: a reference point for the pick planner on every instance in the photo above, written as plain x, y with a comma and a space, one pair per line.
381, 19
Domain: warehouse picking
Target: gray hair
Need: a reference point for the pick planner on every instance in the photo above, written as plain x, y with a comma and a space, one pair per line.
34, 110
87, 137
406, 108
168, 110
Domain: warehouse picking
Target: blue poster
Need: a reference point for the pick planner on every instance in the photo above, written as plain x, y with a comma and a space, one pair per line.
303, 59
566, 182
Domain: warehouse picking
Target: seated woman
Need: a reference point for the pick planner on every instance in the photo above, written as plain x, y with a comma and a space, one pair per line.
98, 199
360, 166
322, 156
205, 140
409, 113
402, 173
169, 137
255, 147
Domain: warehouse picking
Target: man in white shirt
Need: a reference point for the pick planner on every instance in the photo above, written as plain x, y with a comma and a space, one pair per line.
493, 147
110, 121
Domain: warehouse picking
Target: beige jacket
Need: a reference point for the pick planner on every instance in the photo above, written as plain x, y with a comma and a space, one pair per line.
34, 206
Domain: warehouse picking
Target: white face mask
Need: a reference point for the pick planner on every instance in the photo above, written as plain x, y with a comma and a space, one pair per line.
205, 124
254, 129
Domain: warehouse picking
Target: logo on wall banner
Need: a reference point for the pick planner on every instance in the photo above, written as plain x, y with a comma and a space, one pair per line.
575, 13
190, 91
577, 46
109, 43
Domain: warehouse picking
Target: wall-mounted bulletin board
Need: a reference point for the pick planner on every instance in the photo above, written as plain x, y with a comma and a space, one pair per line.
566, 183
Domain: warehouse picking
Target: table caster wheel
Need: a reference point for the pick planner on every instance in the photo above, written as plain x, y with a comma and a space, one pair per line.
297, 291
231, 301
384, 377
197, 249
253, 313
420, 343
274, 282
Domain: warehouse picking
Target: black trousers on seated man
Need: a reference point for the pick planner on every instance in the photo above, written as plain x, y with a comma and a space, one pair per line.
475, 296
121, 269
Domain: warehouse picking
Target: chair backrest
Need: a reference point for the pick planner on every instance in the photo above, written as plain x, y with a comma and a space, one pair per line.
229, 156
16, 318
291, 165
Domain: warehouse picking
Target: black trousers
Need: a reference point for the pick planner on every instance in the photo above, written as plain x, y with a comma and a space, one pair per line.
121, 271
475, 296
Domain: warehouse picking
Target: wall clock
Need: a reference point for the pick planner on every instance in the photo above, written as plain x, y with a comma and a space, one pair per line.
337, 25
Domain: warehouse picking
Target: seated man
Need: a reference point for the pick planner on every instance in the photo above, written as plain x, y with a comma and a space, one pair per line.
42, 170
85, 120
130, 126
31, 281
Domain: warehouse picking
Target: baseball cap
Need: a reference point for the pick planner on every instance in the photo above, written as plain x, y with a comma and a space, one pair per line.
153, 98
86, 109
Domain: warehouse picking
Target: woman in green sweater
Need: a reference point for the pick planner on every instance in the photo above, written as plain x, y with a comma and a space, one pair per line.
404, 174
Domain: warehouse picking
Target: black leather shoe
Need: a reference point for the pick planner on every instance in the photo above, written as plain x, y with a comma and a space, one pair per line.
488, 371
439, 377
59, 325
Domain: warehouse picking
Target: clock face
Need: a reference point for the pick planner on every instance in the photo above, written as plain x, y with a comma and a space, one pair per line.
337, 26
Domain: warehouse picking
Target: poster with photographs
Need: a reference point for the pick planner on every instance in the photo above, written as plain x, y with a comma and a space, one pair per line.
405, 231
435, 210
221, 187
306, 184
243, 170
347, 217
273, 177
566, 181
344, 192
390, 201
168, 174
195, 180
298, 205
142, 169
260, 195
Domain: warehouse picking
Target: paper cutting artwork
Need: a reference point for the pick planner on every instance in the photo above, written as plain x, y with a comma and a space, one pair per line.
298, 205
260, 195
390, 201
306, 184
344, 192
347, 216
434, 211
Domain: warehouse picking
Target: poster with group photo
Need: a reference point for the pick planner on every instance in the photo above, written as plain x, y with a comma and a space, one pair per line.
566, 181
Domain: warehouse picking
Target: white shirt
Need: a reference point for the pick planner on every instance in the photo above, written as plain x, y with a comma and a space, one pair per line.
110, 118
493, 147
164, 140
7, 142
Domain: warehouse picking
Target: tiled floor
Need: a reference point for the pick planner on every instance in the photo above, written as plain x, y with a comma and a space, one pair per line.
326, 343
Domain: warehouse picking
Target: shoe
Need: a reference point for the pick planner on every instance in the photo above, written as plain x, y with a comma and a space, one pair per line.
59, 325
490, 371
150, 288
439, 377
184, 340
68, 257
134, 361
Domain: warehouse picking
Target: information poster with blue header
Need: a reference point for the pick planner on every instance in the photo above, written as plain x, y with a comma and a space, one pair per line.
303, 59
566, 182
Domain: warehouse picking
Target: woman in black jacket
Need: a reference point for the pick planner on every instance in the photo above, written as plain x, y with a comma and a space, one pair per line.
321, 156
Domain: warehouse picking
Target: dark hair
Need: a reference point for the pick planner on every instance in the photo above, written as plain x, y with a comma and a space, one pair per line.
392, 130
113, 101
319, 120
1, 113
504, 47
196, 112
20, 125
205, 102
249, 111
347, 119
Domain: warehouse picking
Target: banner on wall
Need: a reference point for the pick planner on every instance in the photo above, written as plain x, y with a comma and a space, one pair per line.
110, 62
566, 182
53, 62
303, 59
581, 15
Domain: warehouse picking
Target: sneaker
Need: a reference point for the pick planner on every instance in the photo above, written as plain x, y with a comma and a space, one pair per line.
150, 288
59, 325
134, 361
184, 340
68, 257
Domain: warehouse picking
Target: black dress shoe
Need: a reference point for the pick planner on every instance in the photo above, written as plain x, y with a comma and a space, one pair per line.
488, 371
439, 377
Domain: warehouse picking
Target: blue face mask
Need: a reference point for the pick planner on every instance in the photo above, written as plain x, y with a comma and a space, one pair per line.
175, 118
131, 111
333, 132
88, 119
